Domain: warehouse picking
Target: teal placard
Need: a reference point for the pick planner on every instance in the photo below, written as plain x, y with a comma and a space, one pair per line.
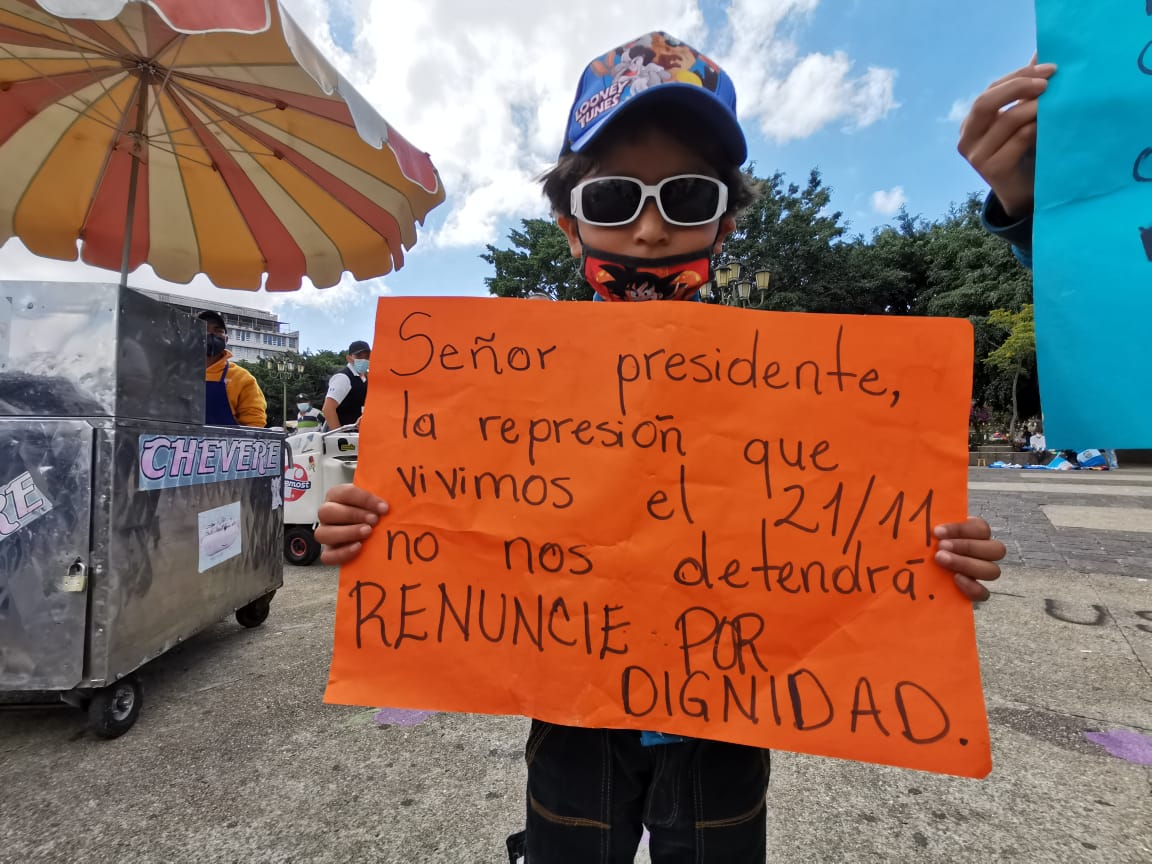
1093, 228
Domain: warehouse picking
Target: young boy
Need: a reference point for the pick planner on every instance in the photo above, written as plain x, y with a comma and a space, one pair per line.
647, 185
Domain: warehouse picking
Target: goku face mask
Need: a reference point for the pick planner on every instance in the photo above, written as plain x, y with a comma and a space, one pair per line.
624, 278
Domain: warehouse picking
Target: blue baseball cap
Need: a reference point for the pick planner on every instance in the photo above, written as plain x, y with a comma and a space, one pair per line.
655, 67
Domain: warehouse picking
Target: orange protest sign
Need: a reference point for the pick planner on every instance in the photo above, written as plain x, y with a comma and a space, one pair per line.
669, 516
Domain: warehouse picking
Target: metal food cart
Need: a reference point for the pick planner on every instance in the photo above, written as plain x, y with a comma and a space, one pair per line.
126, 524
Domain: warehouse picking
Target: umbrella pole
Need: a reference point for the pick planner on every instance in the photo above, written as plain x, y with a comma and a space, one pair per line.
133, 177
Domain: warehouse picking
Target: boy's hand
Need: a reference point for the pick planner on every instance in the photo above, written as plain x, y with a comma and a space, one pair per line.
968, 550
346, 518
998, 137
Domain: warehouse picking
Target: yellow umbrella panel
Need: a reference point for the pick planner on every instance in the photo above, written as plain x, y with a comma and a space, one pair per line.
152, 137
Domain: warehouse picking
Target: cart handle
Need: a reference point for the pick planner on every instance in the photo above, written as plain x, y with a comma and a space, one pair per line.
351, 426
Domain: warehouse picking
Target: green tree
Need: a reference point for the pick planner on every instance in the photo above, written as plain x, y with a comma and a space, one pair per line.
1016, 355
319, 366
890, 270
971, 272
789, 231
539, 261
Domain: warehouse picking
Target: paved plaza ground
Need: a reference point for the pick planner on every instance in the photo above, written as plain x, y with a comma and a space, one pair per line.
235, 758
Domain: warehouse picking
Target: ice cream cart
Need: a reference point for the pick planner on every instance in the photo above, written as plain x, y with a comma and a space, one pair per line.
126, 524
319, 460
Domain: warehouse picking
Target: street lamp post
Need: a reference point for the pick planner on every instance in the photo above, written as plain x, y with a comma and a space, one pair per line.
285, 368
732, 290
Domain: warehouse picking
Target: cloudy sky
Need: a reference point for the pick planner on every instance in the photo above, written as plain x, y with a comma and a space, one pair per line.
869, 91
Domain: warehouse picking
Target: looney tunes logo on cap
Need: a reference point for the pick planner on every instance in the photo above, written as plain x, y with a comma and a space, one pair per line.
655, 66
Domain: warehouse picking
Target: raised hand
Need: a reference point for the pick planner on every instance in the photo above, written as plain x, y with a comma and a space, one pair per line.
998, 137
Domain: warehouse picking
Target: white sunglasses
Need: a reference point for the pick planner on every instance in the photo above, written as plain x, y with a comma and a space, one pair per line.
686, 200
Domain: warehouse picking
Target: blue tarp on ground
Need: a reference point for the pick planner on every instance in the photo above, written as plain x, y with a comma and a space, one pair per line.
1101, 460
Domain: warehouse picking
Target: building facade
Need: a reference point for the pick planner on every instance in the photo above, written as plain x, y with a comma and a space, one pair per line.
253, 334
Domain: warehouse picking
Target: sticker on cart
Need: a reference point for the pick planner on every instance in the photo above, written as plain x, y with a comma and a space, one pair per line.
21, 503
277, 499
188, 460
219, 535
296, 483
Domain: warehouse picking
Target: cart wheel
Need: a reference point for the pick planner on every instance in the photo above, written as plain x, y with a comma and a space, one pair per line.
113, 710
256, 612
300, 546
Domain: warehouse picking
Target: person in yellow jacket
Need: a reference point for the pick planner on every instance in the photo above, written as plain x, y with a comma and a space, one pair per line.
231, 395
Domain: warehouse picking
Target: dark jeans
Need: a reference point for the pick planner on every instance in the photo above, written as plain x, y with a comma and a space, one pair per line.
591, 792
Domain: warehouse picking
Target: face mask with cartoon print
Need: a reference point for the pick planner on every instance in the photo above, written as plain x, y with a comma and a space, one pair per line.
628, 279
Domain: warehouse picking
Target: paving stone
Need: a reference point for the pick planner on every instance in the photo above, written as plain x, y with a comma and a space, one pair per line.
1020, 521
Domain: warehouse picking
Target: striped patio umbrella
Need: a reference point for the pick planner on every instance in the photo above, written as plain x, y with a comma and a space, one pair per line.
199, 136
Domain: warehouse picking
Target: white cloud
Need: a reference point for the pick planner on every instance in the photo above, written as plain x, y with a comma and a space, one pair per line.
346, 295
793, 96
485, 85
888, 202
960, 109
18, 264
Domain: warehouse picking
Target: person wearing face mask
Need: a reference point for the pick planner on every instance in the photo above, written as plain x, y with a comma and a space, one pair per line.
231, 395
348, 388
307, 416
646, 189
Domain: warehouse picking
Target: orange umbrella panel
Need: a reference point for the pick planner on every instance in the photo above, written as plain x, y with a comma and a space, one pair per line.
193, 138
